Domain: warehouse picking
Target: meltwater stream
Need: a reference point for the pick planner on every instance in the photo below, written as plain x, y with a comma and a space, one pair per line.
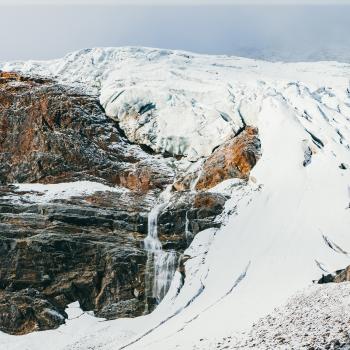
161, 265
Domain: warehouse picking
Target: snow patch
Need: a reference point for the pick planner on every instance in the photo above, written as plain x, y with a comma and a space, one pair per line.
43, 193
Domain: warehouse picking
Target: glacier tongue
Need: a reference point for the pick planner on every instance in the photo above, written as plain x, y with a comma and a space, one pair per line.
188, 121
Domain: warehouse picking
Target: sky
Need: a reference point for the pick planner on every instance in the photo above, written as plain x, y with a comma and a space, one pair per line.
296, 32
177, 2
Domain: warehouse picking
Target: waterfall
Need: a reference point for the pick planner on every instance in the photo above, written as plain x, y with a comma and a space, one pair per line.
152, 242
165, 264
161, 265
188, 233
195, 181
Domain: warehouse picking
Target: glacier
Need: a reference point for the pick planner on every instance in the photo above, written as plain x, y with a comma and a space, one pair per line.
280, 231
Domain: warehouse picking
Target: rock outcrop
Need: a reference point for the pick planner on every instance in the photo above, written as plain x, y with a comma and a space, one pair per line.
28, 310
187, 214
88, 249
234, 159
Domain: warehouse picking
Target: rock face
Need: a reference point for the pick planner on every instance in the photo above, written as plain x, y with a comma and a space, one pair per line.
90, 247
27, 311
234, 159
51, 133
343, 276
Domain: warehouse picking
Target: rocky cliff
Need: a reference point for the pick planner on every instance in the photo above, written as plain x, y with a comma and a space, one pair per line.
116, 169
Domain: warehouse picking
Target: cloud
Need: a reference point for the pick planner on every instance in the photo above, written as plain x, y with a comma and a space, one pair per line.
287, 33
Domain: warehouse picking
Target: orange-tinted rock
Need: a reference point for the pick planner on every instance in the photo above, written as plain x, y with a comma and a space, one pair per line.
343, 276
51, 133
338, 277
233, 159
142, 178
85, 248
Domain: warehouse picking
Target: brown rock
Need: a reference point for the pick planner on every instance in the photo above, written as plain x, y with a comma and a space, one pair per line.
184, 182
337, 277
27, 311
234, 159
198, 210
87, 249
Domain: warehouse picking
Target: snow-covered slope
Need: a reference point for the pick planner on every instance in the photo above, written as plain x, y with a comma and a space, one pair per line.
282, 230
42, 193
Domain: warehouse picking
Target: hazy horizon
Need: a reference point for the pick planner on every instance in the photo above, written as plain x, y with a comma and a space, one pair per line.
291, 33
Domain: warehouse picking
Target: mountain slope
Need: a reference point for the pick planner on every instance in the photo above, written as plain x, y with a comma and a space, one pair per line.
283, 228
